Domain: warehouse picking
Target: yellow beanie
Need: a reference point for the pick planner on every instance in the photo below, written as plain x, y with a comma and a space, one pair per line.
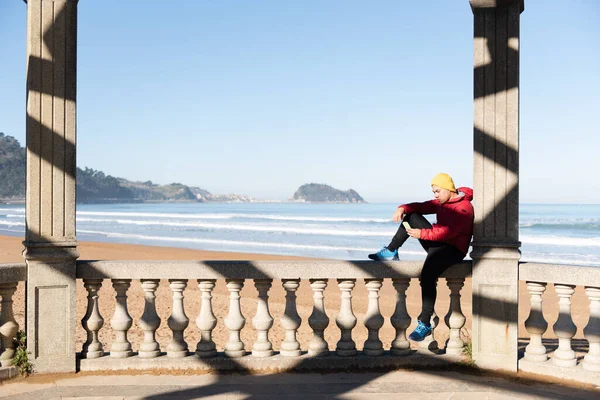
444, 181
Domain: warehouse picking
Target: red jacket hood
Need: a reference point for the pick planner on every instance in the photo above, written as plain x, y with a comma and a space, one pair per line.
468, 194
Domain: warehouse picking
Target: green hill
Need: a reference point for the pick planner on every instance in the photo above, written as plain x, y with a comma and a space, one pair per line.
12, 168
92, 186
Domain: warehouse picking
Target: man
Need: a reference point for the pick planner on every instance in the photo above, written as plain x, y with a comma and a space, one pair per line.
446, 241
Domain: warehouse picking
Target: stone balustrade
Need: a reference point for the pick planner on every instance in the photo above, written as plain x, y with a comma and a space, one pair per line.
564, 361
261, 354
10, 276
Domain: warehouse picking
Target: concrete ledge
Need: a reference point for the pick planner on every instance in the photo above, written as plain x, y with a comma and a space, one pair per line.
14, 272
546, 368
558, 273
326, 269
275, 363
8, 372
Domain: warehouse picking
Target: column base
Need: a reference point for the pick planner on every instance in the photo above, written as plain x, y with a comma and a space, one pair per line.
495, 306
51, 296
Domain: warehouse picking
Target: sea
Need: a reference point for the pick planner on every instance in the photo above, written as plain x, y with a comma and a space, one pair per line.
553, 233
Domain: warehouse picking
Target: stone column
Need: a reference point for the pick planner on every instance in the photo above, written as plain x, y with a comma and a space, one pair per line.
51, 249
496, 191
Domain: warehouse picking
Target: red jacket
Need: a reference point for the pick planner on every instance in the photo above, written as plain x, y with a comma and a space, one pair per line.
454, 219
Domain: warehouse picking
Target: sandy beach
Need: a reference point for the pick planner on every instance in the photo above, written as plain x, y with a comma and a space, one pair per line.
11, 248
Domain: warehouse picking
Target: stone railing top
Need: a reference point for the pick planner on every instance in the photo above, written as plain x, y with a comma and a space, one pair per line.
15, 272
557, 273
475, 4
310, 269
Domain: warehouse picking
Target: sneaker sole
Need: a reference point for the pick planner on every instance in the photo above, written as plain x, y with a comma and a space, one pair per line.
418, 340
375, 258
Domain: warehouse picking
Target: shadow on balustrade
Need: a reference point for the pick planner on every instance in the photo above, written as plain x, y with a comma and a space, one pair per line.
580, 346
260, 383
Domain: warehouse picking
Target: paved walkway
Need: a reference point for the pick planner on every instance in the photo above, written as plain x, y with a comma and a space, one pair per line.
436, 385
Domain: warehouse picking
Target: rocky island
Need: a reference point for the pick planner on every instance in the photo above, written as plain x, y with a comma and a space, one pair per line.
321, 193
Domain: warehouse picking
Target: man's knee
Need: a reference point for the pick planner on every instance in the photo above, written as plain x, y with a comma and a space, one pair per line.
411, 217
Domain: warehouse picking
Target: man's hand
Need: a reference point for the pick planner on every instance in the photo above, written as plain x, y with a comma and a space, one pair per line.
416, 233
398, 215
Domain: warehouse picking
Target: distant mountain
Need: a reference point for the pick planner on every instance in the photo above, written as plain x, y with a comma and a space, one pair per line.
12, 168
321, 193
95, 186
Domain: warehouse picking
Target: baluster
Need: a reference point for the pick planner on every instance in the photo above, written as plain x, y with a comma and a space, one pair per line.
178, 321
92, 321
535, 324
206, 320
8, 325
373, 319
121, 320
346, 320
564, 328
234, 321
290, 320
455, 319
429, 343
263, 321
318, 320
591, 361
150, 321
400, 320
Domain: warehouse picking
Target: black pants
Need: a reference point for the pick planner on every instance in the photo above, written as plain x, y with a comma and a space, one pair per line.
440, 256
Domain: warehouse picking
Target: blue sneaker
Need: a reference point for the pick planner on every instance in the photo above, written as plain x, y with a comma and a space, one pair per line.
420, 332
384, 255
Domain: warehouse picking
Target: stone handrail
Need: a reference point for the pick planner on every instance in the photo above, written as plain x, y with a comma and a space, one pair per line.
10, 276
262, 273
559, 273
564, 361
13, 272
309, 269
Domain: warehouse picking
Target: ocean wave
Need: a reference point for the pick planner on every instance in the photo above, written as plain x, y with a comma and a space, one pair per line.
579, 225
253, 228
20, 232
154, 215
571, 259
21, 210
11, 223
274, 217
236, 242
562, 241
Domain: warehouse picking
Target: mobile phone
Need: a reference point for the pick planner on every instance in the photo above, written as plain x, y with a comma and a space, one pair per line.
406, 225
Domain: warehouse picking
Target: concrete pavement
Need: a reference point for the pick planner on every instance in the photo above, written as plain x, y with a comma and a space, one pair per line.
404, 384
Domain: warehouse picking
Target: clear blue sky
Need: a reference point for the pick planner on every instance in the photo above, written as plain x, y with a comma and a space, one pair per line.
259, 97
